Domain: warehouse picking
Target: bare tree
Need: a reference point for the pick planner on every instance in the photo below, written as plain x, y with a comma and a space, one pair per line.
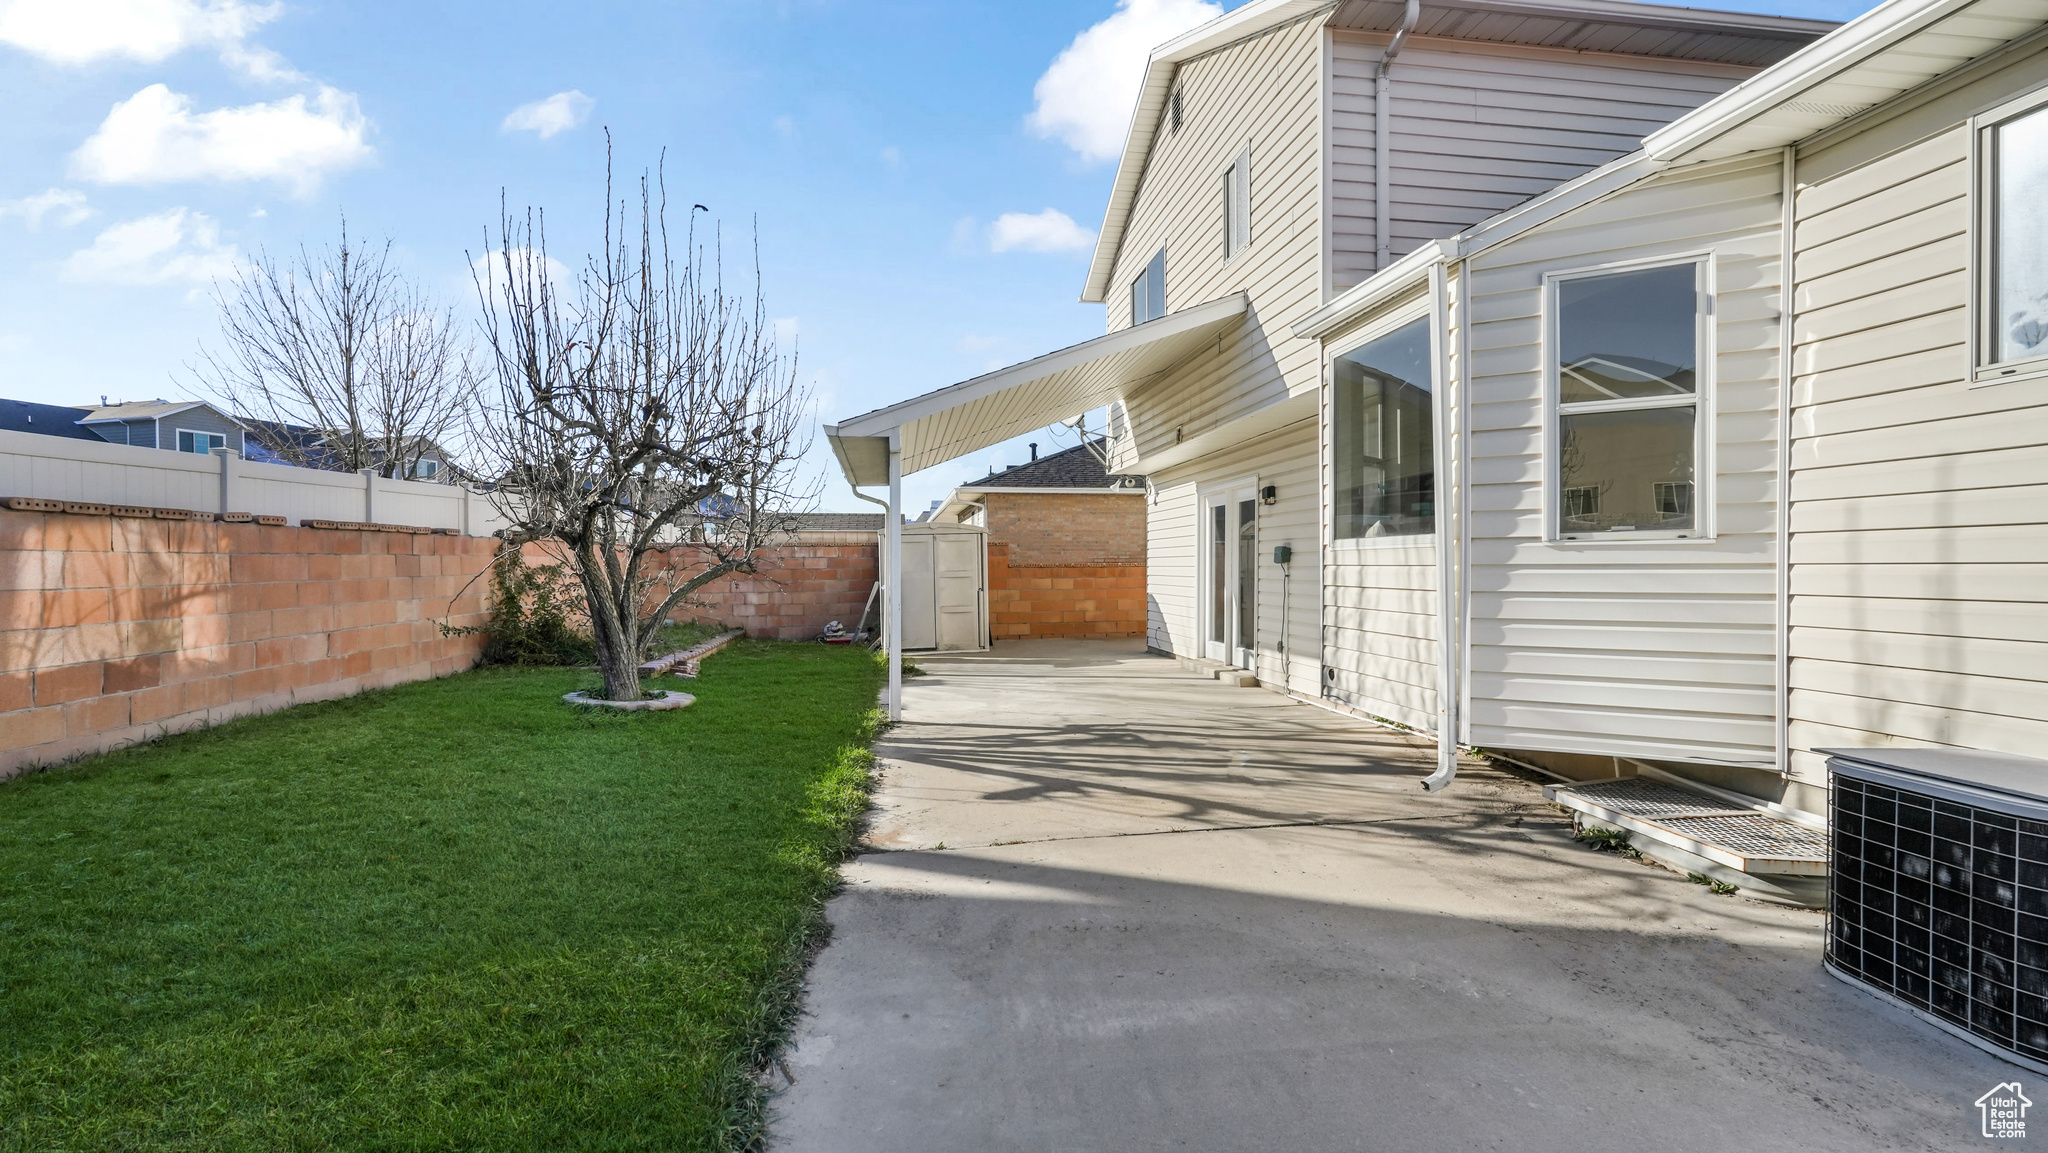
341, 361
637, 407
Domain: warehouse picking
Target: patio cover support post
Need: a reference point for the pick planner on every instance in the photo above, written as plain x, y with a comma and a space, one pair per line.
893, 589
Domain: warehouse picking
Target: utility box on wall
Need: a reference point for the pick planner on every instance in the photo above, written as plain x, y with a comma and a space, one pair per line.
945, 587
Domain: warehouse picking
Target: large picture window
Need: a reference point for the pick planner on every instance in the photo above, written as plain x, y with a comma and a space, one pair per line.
2013, 239
1382, 437
1628, 350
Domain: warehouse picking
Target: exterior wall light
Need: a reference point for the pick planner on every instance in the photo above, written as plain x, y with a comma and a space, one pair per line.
1269, 495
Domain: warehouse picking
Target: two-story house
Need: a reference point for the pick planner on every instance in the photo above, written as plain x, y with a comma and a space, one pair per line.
1665, 385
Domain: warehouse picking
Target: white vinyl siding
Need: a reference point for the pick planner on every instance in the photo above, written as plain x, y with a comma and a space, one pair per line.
1480, 128
1380, 604
1261, 98
1659, 650
1285, 460
1919, 519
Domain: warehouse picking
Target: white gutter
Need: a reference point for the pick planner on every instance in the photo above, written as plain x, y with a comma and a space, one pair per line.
1382, 286
1383, 136
1787, 300
1853, 43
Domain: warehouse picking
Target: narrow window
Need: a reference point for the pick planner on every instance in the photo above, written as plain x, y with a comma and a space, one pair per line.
1247, 570
1383, 437
2015, 239
1148, 291
1237, 208
1628, 356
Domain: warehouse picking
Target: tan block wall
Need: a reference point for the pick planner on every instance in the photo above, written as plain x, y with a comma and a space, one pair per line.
1079, 600
1062, 529
822, 577
118, 630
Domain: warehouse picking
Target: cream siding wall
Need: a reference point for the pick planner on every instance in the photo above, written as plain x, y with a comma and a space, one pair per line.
1480, 128
1920, 505
1380, 603
1662, 651
1264, 93
1285, 459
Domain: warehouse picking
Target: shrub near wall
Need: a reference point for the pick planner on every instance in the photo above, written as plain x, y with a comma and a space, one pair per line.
115, 630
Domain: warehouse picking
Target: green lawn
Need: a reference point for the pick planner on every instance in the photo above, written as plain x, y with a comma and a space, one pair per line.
452, 915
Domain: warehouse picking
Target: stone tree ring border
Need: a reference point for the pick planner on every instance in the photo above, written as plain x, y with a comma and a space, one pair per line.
666, 701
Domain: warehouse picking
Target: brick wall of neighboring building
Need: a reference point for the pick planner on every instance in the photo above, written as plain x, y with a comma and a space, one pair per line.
1068, 528
115, 630
801, 586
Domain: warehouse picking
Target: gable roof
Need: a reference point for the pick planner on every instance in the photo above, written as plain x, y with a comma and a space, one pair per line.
1077, 467
45, 419
1583, 25
838, 521
150, 410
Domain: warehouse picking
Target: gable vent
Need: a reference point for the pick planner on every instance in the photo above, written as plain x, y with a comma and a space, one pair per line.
1176, 110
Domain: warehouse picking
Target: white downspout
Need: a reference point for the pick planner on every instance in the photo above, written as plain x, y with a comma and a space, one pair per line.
1383, 136
892, 626
1787, 302
1447, 681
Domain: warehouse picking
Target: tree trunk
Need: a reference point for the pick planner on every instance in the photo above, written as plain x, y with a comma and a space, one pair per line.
621, 668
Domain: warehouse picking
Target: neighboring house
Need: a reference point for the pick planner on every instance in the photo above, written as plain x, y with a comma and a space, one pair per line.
1066, 545
274, 442
178, 425
1481, 311
45, 419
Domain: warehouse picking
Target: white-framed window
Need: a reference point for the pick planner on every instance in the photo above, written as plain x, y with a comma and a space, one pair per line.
200, 442
1383, 434
2011, 245
425, 469
1237, 205
1148, 290
1629, 376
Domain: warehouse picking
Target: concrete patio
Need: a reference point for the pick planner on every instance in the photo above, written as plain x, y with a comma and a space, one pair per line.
1113, 906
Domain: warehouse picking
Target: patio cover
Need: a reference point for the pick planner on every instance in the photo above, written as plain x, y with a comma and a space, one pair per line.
967, 417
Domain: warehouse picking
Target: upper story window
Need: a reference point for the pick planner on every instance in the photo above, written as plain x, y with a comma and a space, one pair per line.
1237, 205
1382, 436
1148, 291
2012, 148
1626, 363
200, 442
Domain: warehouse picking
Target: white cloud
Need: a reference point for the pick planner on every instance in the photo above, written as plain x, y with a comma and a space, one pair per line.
1048, 231
178, 246
1085, 98
545, 118
154, 137
786, 331
61, 206
491, 265
78, 32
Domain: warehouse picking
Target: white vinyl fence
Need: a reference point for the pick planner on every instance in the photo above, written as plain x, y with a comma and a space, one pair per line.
61, 468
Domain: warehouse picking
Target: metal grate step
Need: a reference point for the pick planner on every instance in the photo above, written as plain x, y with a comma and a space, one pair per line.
1741, 839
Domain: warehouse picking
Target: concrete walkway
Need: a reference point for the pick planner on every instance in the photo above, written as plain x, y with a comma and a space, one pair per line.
1117, 907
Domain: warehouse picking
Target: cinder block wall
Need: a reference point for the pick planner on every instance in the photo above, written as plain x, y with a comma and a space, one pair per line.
1065, 565
117, 630
1068, 529
820, 577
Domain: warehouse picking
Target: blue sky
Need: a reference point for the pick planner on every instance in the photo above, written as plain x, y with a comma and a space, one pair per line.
900, 158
